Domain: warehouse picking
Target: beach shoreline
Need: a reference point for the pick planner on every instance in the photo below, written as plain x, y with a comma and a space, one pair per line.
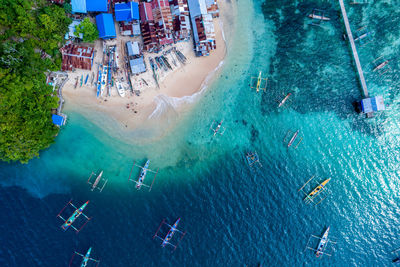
156, 110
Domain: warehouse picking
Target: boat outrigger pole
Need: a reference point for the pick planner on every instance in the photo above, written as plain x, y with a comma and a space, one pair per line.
259, 84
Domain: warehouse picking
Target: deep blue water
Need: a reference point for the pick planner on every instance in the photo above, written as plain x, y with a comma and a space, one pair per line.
234, 216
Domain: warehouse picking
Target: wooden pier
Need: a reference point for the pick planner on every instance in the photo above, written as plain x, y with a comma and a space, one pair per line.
354, 49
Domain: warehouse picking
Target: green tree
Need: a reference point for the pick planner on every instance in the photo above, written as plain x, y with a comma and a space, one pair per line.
28, 27
88, 29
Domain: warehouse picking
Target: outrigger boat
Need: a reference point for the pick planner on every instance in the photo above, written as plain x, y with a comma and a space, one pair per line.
396, 254
259, 82
322, 244
218, 128
85, 258
315, 192
120, 89
81, 80
380, 66
362, 34
284, 100
252, 158
95, 184
71, 219
99, 81
87, 77
293, 139
318, 15
172, 230
103, 84
142, 176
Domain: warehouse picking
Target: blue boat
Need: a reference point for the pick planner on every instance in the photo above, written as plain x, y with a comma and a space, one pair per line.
99, 81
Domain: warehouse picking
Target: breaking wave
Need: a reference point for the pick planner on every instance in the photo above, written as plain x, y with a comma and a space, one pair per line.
165, 103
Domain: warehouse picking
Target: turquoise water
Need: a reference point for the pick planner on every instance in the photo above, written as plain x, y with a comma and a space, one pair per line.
235, 216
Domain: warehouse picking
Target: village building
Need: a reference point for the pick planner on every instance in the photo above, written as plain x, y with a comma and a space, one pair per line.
180, 19
150, 40
76, 57
202, 27
71, 31
105, 25
212, 8
162, 21
127, 14
85, 6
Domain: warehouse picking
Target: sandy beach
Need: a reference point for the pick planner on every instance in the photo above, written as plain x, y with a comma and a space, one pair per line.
177, 88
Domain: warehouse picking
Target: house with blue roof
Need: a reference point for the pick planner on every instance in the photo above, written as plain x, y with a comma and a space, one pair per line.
58, 120
84, 6
126, 11
105, 25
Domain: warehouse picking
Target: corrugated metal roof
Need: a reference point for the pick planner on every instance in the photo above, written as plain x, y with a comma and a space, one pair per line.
133, 48
105, 25
137, 65
97, 5
78, 6
126, 11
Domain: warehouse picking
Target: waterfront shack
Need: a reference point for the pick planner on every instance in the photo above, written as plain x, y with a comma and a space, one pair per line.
202, 28
150, 41
85, 6
58, 120
372, 104
127, 14
162, 21
137, 65
76, 57
180, 19
105, 25
71, 31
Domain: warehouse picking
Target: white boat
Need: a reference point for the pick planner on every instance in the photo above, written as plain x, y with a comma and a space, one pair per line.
103, 80
320, 17
120, 88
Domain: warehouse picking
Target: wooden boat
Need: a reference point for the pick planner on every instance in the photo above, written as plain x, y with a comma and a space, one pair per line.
319, 17
284, 100
172, 230
293, 138
99, 81
380, 66
317, 190
322, 244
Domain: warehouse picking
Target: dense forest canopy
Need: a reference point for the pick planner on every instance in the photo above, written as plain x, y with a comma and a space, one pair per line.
28, 30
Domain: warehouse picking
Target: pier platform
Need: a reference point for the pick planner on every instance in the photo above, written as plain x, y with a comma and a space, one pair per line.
354, 49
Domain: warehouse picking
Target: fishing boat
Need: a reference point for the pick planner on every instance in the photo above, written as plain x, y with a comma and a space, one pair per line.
76, 83
322, 243
87, 77
95, 184
85, 258
380, 66
172, 230
252, 158
319, 17
140, 181
81, 80
71, 219
120, 89
99, 81
317, 190
217, 129
259, 82
293, 138
103, 83
284, 100
92, 78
